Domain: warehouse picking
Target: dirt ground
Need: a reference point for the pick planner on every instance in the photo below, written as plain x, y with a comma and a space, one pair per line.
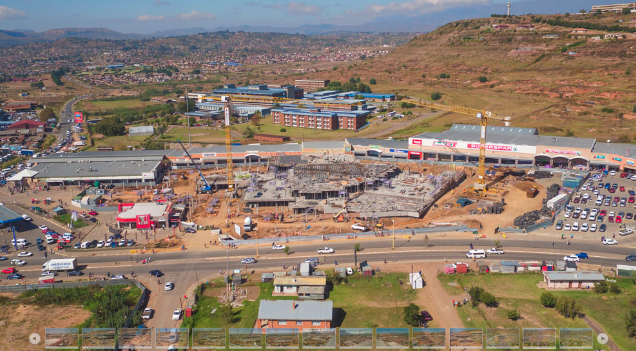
18, 322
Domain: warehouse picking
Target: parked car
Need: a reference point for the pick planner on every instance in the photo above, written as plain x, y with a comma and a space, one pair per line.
118, 277
602, 228
75, 273
559, 225
426, 316
582, 255
325, 250
9, 270
176, 315
156, 273
25, 254
610, 241
169, 286
359, 226
93, 213
101, 243
26, 218
593, 227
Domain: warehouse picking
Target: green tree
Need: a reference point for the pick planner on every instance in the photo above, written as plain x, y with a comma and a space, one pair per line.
626, 11
226, 312
567, 14
191, 106
548, 299
46, 114
111, 126
513, 314
483, 79
372, 81
436, 96
357, 247
630, 323
423, 75
256, 118
634, 109
623, 138
489, 299
334, 278
497, 243
248, 133
569, 133
582, 11
567, 307
286, 250
412, 315
38, 85
475, 293
615, 289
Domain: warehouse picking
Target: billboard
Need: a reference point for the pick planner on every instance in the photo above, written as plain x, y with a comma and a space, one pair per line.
79, 117
143, 221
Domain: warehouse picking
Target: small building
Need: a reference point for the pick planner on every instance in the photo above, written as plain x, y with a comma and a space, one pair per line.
145, 215
309, 288
625, 271
500, 26
8, 217
550, 36
32, 126
579, 31
295, 314
267, 277
571, 280
416, 280
141, 131
271, 138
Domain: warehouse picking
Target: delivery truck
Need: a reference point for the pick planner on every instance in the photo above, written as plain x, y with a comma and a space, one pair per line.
63, 264
557, 202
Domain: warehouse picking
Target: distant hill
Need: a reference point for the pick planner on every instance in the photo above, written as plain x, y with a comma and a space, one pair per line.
8, 38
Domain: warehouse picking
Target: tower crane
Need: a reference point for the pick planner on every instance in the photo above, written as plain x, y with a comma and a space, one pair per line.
484, 118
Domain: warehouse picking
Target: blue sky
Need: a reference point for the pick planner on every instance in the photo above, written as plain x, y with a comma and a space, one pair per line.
146, 16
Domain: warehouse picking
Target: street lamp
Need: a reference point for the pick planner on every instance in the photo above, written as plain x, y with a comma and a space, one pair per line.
393, 248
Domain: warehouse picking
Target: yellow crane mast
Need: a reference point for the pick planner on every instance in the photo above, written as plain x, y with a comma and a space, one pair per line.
484, 117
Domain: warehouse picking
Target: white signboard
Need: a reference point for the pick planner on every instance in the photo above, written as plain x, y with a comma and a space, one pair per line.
237, 229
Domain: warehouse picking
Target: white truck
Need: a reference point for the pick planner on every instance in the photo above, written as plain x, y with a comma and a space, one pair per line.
247, 225
557, 202
61, 264
325, 250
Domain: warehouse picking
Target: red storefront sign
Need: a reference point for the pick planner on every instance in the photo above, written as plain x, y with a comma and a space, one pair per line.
492, 147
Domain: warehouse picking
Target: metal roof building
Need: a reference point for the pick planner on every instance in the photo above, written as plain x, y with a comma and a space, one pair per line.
7, 216
141, 131
285, 310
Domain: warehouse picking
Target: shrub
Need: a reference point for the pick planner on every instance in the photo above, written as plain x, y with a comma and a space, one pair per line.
513, 314
372, 81
423, 75
567, 307
436, 96
283, 130
475, 293
630, 323
489, 299
615, 289
412, 315
548, 299
384, 119
483, 79
601, 287
286, 250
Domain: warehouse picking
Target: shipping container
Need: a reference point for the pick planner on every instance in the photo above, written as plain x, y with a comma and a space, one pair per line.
557, 202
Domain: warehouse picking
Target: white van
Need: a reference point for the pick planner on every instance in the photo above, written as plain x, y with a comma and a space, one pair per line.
20, 241
476, 254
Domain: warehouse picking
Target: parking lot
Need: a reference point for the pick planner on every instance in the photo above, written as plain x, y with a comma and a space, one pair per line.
604, 205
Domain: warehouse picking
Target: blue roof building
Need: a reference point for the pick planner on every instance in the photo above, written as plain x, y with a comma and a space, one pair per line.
8, 216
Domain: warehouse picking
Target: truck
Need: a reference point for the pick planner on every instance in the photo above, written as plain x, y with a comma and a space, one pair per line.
557, 202
325, 250
49, 279
60, 264
247, 225
147, 314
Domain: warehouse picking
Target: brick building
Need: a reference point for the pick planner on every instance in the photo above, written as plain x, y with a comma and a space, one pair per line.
311, 84
271, 138
316, 118
295, 314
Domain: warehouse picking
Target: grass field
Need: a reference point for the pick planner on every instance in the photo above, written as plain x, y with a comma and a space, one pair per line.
520, 291
116, 142
48, 141
359, 302
103, 105
204, 135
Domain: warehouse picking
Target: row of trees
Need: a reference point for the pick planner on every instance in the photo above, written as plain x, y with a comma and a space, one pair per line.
354, 84
56, 75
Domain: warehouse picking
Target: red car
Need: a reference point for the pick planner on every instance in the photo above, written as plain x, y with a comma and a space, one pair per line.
622, 188
603, 213
9, 270
611, 190
623, 175
54, 235
619, 219
60, 247
426, 316
617, 199
93, 213
577, 200
631, 200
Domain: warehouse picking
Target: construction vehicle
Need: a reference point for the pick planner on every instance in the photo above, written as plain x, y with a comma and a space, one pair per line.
206, 188
340, 216
532, 192
480, 187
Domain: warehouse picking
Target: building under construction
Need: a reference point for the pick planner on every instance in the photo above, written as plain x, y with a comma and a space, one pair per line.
360, 190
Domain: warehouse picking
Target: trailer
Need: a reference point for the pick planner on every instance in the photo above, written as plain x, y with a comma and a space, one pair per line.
62, 264
557, 202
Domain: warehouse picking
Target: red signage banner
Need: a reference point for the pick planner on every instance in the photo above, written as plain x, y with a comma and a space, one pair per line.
492, 147
143, 221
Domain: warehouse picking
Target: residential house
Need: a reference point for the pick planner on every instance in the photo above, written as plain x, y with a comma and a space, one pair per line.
571, 280
306, 288
295, 314
579, 31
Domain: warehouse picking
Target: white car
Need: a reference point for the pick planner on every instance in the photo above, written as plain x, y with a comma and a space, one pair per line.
359, 226
613, 173
278, 247
26, 218
593, 227
575, 226
101, 243
25, 254
325, 250
43, 227
118, 277
567, 227
45, 273
349, 271
176, 315
610, 242
583, 215
584, 227
567, 214
495, 250
169, 286
573, 258
16, 262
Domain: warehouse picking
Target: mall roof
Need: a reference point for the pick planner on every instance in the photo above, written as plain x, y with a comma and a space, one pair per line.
291, 147
627, 150
299, 311
508, 135
392, 144
107, 156
334, 144
94, 170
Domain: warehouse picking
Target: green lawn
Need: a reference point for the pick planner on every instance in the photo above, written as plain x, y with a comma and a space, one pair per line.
48, 141
204, 135
66, 219
520, 291
366, 302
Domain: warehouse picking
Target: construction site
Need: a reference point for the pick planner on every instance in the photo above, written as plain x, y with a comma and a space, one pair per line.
466, 338
282, 338
245, 338
429, 338
505, 338
393, 338
539, 338
356, 338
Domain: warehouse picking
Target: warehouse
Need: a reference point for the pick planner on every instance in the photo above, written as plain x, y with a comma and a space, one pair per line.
144, 167
289, 92
141, 131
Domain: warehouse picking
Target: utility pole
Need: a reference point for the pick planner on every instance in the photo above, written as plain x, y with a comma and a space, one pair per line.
188, 117
393, 248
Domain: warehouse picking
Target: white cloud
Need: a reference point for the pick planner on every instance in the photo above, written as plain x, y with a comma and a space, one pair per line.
192, 16
9, 13
300, 8
420, 6
160, 2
